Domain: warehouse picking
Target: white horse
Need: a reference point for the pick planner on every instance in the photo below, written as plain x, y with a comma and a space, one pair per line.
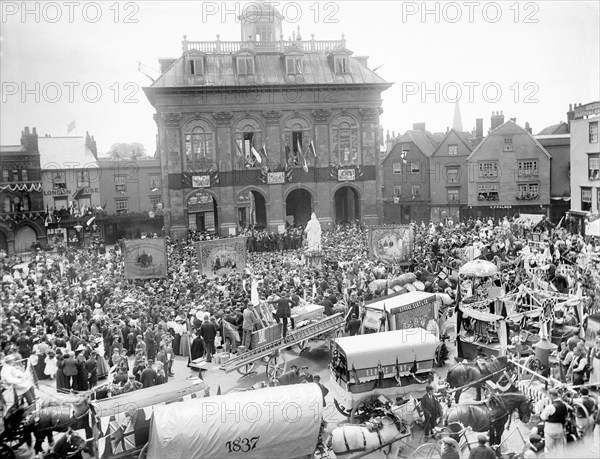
408, 413
350, 439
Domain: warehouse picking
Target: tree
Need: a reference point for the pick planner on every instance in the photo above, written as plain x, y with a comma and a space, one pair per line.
123, 151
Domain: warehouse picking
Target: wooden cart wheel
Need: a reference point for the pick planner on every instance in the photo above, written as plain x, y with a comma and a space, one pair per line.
341, 409
246, 369
365, 406
275, 366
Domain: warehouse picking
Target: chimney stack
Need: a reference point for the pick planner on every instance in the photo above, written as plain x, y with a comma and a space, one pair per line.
418, 126
527, 127
479, 130
496, 120
29, 141
571, 113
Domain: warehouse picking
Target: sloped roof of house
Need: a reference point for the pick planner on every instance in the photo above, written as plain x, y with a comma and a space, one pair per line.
559, 128
463, 137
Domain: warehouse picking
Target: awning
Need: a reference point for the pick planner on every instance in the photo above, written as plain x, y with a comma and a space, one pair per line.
480, 315
579, 213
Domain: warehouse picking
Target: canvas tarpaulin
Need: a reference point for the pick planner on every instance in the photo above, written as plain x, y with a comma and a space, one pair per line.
273, 422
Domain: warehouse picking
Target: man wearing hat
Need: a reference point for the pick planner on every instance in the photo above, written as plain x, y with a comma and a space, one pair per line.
555, 417
432, 411
481, 451
450, 449
534, 448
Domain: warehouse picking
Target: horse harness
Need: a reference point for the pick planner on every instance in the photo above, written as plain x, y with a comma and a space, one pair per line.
375, 426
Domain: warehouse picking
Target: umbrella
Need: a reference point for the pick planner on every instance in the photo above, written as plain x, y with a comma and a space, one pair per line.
478, 268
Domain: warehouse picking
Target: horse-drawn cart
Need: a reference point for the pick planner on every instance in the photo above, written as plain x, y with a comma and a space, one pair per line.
365, 368
269, 353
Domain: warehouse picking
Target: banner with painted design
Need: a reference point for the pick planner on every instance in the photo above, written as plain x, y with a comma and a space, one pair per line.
222, 256
145, 258
391, 244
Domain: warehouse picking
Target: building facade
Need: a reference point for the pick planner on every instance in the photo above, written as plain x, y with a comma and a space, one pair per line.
22, 214
406, 177
131, 198
509, 173
449, 176
265, 131
71, 187
558, 146
585, 160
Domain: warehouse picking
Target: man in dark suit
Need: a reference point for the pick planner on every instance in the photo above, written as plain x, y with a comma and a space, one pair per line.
208, 332
327, 304
353, 325
149, 375
70, 369
284, 311
150, 341
432, 410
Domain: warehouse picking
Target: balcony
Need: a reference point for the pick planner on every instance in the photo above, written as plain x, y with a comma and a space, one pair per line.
281, 46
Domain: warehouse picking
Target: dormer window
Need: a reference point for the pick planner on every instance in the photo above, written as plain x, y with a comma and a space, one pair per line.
245, 65
341, 64
294, 65
196, 66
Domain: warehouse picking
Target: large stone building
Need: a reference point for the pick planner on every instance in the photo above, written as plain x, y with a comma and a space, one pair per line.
509, 173
585, 160
22, 214
265, 131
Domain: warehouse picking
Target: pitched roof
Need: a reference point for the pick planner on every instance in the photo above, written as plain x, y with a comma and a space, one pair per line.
269, 69
424, 141
500, 127
559, 128
462, 136
65, 153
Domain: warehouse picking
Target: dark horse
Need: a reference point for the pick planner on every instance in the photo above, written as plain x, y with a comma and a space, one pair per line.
60, 414
480, 370
492, 414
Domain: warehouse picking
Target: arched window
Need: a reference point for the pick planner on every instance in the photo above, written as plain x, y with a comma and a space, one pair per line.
17, 204
199, 149
26, 203
7, 205
297, 137
248, 143
345, 140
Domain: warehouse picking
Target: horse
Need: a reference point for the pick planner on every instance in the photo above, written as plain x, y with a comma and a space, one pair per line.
482, 369
492, 414
349, 439
409, 412
59, 414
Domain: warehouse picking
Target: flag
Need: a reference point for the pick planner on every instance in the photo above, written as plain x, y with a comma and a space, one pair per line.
287, 154
78, 194
256, 155
71, 127
379, 374
89, 222
264, 149
311, 148
397, 368
355, 375
48, 219
240, 150
304, 165
144, 69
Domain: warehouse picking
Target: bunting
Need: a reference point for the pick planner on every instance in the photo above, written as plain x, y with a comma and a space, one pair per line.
240, 150
264, 149
311, 148
255, 154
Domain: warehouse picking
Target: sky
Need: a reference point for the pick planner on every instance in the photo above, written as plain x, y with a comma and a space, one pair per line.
78, 61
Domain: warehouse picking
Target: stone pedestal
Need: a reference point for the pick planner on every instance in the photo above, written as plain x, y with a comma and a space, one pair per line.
313, 259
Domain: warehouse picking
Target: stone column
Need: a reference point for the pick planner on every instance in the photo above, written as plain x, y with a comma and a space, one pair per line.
324, 209
226, 160
372, 199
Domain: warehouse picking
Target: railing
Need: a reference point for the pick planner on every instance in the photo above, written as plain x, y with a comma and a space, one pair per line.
280, 46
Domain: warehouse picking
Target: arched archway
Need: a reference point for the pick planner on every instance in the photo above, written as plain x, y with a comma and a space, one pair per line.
252, 209
202, 212
346, 204
25, 236
299, 205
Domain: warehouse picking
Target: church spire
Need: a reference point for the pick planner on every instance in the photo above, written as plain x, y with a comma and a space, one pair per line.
457, 123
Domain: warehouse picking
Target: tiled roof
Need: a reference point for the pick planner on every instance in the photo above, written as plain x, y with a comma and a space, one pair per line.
422, 139
560, 128
220, 70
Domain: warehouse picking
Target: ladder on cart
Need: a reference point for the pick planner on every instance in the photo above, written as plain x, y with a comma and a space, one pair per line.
295, 337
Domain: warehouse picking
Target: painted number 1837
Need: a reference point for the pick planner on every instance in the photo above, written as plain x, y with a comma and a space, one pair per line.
241, 445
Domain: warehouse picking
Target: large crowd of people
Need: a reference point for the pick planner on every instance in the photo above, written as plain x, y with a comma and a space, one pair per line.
76, 314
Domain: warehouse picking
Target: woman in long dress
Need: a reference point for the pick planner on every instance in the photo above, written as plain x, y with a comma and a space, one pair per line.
102, 365
50, 368
595, 362
184, 344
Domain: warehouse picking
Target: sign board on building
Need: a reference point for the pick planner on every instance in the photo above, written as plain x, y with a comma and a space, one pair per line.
593, 108
145, 258
200, 202
200, 181
275, 178
345, 175
244, 199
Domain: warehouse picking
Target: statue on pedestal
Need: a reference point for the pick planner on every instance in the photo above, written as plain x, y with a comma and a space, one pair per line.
313, 234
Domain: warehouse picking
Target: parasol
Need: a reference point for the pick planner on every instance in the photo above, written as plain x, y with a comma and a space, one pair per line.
478, 268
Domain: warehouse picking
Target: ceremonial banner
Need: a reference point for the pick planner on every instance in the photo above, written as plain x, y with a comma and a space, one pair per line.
391, 244
222, 256
145, 258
